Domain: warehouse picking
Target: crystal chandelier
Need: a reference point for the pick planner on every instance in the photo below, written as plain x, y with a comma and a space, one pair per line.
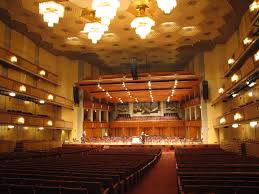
95, 31
143, 26
51, 12
166, 5
105, 10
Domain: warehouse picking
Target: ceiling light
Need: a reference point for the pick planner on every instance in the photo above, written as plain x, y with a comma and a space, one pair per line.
235, 125
50, 123
95, 31
253, 123
142, 26
51, 12
41, 128
188, 28
254, 6
13, 59
221, 91
234, 78
42, 101
21, 120
50, 97
166, 5
231, 61
222, 120
42, 72
256, 56
12, 94
22, 88
247, 41
10, 126
106, 10
237, 116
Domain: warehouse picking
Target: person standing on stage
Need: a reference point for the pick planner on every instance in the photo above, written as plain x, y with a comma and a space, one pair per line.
143, 137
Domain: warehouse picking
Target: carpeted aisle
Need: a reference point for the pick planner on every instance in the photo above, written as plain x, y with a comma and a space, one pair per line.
160, 179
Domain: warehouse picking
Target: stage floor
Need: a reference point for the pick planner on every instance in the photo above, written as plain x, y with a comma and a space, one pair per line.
164, 147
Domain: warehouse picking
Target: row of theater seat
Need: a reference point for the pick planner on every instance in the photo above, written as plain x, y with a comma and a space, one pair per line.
29, 189
212, 170
111, 171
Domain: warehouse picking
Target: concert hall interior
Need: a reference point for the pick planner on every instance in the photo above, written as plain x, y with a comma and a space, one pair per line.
129, 96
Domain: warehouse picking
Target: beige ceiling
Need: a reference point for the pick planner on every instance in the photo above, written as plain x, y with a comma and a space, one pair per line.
165, 45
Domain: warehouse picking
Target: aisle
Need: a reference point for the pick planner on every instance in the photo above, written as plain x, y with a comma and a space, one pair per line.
161, 178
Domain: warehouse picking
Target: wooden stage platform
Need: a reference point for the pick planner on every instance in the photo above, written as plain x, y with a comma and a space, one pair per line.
163, 147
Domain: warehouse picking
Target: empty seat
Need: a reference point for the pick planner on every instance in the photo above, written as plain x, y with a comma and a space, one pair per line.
21, 189
47, 190
73, 191
4, 189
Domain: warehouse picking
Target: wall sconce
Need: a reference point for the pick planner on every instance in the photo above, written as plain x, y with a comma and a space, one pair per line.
21, 120
50, 97
13, 59
231, 61
250, 84
235, 125
42, 101
221, 90
12, 94
253, 123
250, 94
254, 6
222, 120
234, 78
22, 88
42, 72
25, 128
50, 123
41, 128
237, 116
247, 41
256, 56
234, 95
10, 126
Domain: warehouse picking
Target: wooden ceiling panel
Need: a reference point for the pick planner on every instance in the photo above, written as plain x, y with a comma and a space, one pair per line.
112, 88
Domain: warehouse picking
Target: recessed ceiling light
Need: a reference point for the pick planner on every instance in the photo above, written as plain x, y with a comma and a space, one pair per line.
189, 28
72, 38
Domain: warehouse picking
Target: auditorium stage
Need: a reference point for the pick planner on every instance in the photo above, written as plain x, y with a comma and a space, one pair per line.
163, 147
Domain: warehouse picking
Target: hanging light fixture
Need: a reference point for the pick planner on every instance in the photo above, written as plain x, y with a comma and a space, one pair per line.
105, 10
143, 24
166, 5
51, 12
95, 31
